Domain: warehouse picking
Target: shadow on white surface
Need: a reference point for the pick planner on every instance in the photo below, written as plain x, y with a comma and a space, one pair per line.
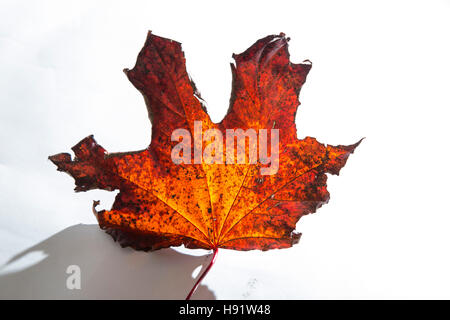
107, 270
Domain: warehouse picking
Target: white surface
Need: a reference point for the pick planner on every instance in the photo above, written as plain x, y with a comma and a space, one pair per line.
380, 71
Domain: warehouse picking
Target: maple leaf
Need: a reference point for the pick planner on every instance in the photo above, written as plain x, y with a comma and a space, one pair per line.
209, 205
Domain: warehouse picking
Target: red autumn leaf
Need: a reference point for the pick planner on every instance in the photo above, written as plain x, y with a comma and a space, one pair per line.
209, 205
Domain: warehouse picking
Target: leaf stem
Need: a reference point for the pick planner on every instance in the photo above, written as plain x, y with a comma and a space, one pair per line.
216, 250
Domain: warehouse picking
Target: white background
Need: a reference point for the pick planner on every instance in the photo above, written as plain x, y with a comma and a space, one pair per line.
381, 70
